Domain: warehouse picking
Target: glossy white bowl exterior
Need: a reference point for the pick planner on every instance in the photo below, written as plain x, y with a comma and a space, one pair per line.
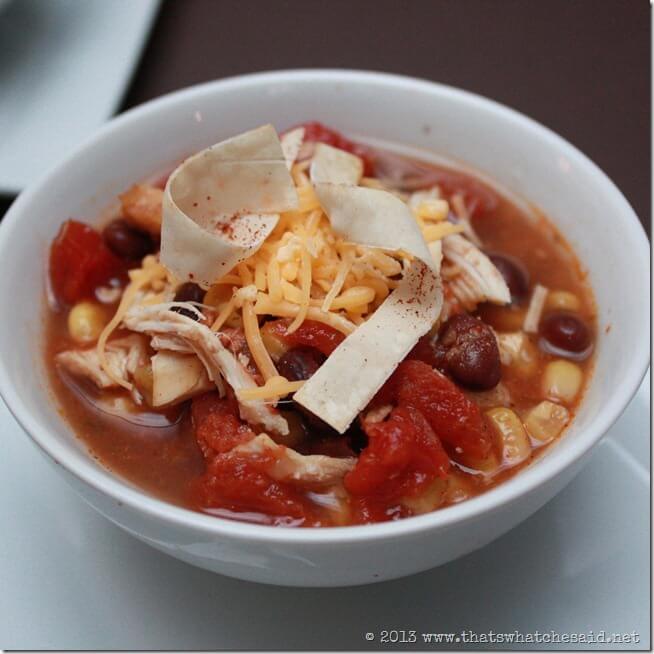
520, 154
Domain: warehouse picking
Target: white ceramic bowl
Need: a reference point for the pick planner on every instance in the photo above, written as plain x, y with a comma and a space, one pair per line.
520, 154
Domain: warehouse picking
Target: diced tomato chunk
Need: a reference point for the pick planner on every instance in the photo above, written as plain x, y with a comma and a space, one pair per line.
387, 456
456, 419
318, 133
80, 262
240, 483
403, 455
310, 333
217, 426
233, 480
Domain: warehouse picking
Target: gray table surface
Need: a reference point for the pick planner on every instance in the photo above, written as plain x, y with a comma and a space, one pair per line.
72, 580
581, 68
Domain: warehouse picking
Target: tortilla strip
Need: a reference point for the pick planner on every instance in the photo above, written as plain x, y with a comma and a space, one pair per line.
221, 204
177, 377
291, 143
360, 365
333, 166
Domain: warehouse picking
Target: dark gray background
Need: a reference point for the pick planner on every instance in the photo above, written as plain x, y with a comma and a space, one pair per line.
581, 67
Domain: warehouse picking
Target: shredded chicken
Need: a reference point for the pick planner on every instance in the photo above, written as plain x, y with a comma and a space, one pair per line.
476, 279
463, 217
294, 467
171, 343
159, 321
124, 355
141, 207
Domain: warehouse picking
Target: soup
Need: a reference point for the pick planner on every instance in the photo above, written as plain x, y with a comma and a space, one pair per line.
312, 332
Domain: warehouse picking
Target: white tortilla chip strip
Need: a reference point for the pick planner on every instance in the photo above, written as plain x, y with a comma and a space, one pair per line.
291, 143
177, 377
220, 205
375, 218
360, 365
334, 166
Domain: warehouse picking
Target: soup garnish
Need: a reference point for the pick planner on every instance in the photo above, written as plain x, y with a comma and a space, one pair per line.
307, 331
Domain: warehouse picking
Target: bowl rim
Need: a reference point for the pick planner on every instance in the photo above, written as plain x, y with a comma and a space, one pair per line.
527, 482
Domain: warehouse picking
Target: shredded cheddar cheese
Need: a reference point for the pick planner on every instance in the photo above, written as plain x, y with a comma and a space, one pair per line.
303, 270
273, 389
255, 343
440, 230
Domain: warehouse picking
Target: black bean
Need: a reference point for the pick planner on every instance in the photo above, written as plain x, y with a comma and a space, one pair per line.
467, 351
300, 363
357, 439
514, 273
565, 331
298, 431
127, 242
315, 425
317, 428
189, 292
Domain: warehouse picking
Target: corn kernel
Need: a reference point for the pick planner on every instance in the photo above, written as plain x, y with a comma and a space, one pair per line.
561, 380
563, 301
433, 209
458, 489
487, 465
86, 321
429, 499
546, 421
515, 442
